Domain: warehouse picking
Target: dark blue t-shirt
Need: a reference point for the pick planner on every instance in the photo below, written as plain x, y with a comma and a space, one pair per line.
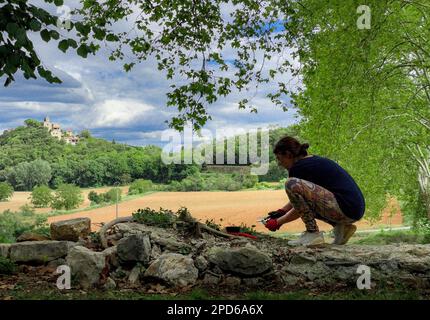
331, 176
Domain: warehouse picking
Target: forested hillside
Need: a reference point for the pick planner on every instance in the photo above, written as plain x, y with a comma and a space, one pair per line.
30, 156
29, 151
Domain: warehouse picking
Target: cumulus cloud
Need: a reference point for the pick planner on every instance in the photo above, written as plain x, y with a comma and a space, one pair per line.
119, 113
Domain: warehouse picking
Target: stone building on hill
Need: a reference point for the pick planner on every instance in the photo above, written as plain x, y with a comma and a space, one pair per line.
55, 131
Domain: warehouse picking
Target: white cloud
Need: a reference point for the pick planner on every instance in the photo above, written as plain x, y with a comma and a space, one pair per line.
118, 113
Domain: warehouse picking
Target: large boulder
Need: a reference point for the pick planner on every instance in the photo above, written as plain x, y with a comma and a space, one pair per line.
30, 236
398, 263
175, 269
71, 230
4, 250
111, 256
171, 244
135, 248
39, 252
135, 274
245, 261
86, 265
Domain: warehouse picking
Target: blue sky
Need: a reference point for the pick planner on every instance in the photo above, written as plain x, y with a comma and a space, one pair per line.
98, 95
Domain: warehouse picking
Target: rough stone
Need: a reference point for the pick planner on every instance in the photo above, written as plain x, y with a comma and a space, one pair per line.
232, 281
201, 263
135, 274
4, 250
135, 248
217, 270
315, 271
211, 279
30, 236
303, 259
71, 230
171, 244
110, 284
174, 269
111, 256
245, 261
39, 252
56, 263
345, 273
252, 282
86, 265
155, 252
120, 273
290, 280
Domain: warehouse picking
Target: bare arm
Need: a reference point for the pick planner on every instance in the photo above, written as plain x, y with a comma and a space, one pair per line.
291, 215
287, 207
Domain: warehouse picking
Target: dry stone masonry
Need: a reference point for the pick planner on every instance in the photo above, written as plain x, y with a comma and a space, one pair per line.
138, 255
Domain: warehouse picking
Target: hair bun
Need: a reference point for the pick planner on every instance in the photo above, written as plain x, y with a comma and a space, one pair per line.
304, 146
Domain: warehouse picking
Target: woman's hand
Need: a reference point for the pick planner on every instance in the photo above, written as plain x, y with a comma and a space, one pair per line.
272, 224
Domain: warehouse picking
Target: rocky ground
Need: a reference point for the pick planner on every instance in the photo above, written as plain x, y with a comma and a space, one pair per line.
150, 259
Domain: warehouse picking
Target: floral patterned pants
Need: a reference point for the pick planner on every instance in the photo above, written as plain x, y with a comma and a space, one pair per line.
312, 202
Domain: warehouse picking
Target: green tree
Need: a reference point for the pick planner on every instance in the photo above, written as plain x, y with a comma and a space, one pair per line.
41, 197
68, 197
18, 19
6, 191
27, 175
32, 123
365, 93
113, 195
140, 186
86, 134
94, 197
13, 224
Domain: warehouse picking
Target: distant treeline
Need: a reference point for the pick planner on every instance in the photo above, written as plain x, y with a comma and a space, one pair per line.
30, 156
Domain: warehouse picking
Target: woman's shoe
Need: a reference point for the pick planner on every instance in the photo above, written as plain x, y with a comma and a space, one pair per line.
343, 232
308, 239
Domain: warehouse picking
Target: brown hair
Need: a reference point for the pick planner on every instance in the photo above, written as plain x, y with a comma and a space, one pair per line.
291, 145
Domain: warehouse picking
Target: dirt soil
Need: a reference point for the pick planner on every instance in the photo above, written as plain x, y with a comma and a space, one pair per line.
233, 208
20, 198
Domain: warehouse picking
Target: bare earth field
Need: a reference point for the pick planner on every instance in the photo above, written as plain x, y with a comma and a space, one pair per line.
233, 208
21, 198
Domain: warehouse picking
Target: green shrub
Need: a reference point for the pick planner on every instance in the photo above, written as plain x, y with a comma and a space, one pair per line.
94, 197
214, 181
13, 224
41, 197
6, 191
212, 224
112, 194
107, 197
163, 218
246, 180
125, 179
140, 186
175, 186
263, 186
7, 266
68, 197
282, 183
